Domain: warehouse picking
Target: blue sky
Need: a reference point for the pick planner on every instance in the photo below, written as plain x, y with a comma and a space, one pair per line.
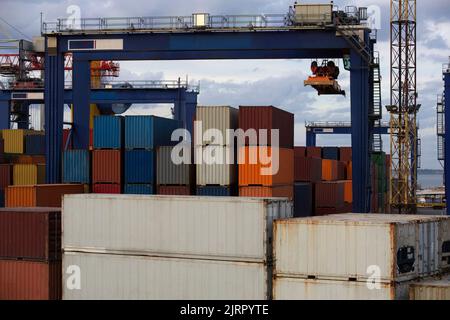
271, 82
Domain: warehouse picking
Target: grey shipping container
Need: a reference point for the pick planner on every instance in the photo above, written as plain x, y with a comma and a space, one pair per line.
169, 173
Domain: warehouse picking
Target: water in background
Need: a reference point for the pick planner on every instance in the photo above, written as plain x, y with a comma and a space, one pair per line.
430, 180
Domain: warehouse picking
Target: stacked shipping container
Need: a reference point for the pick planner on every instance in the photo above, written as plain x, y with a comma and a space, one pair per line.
173, 178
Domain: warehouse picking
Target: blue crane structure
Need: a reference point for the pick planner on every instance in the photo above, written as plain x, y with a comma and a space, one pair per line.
200, 37
446, 106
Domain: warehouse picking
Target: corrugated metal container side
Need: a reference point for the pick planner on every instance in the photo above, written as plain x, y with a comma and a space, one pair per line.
303, 199
343, 246
25, 159
108, 132
251, 174
217, 174
35, 144
117, 277
26, 280
333, 170
2, 198
28, 174
314, 289
174, 190
299, 152
345, 154
331, 153
76, 166
44, 195
221, 228
31, 234
431, 289
329, 194
268, 117
5, 176
349, 171
66, 133
2, 150
348, 191
219, 118
14, 140
169, 173
314, 152
149, 132
217, 191
106, 188
318, 212
267, 192
107, 166
307, 169
140, 166
138, 189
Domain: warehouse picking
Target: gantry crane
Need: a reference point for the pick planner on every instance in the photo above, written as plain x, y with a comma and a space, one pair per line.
403, 108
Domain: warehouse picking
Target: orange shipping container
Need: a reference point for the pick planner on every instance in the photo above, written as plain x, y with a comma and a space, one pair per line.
267, 192
332, 170
106, 166
266, 166
349, 171
348, 191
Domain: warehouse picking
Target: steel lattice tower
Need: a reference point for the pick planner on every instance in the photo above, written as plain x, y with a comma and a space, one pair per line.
403, 108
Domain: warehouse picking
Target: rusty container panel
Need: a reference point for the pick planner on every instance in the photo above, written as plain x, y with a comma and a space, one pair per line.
432, 289
28, 174
307, 169
267, 192
5, 176
27, 280
348, 191
107, 188
327, 211
174, 190
253, 170
44, 195
345, 154
107, 166
349, 171
30, 234
329, 194
314, 152
299, 152
25, 159
268, 118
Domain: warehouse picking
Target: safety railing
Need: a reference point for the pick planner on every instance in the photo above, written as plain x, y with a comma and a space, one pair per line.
339, 124
143, 84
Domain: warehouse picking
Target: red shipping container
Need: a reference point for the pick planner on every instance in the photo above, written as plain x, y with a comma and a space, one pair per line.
26, 280
307, 169
349, 171
348, 191
345, 154
30, 233
328, 211
106, 188
314, 152
66, 133
268, 117
299, 152
5, 176
106, 166
329, 194
267, 192
174, 190
341, 170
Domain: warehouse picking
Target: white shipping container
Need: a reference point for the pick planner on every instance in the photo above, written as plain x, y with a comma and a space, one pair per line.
315, 289
437, 289
313, 13
217, 172
220, 118
352, 246
120, 277
222, 228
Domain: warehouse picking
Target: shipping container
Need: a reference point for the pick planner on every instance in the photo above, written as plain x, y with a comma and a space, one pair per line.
346, 246
218, 166
316, 289
28, 174
25, 159
299, 152
169, 173
330, 153
2, 198
66, 144
107, 166
108, 132
30, 234
348, 191
349, 171
174, 190
106, 188
149, 132
125, 277
345, 154
35, 144
215, 227
2, 150
139, 166
254, 171
30, 280
43, 195
219, 118
5, 176
303, 199
329, 194
331, 210
268, 118
217, 191
314, 152
431, 289
333, 170
307, 169
138, 189
76, 166
267, 192
14, 140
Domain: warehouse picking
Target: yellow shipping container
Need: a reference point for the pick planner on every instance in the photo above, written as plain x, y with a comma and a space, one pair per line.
28, 174
14, 139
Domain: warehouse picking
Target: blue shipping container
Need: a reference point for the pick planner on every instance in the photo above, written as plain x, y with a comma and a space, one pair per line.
330, 153
303, 200
140, 166
35, 145
76, 166
108, 132
216, 191
138, 189
149, 132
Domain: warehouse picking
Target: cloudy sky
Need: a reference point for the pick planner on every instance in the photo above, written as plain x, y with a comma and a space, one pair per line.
256, 82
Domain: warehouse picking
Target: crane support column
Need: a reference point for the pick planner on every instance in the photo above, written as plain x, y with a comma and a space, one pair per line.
54, 109
447, 135
81, 94
359, 79
4, 114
